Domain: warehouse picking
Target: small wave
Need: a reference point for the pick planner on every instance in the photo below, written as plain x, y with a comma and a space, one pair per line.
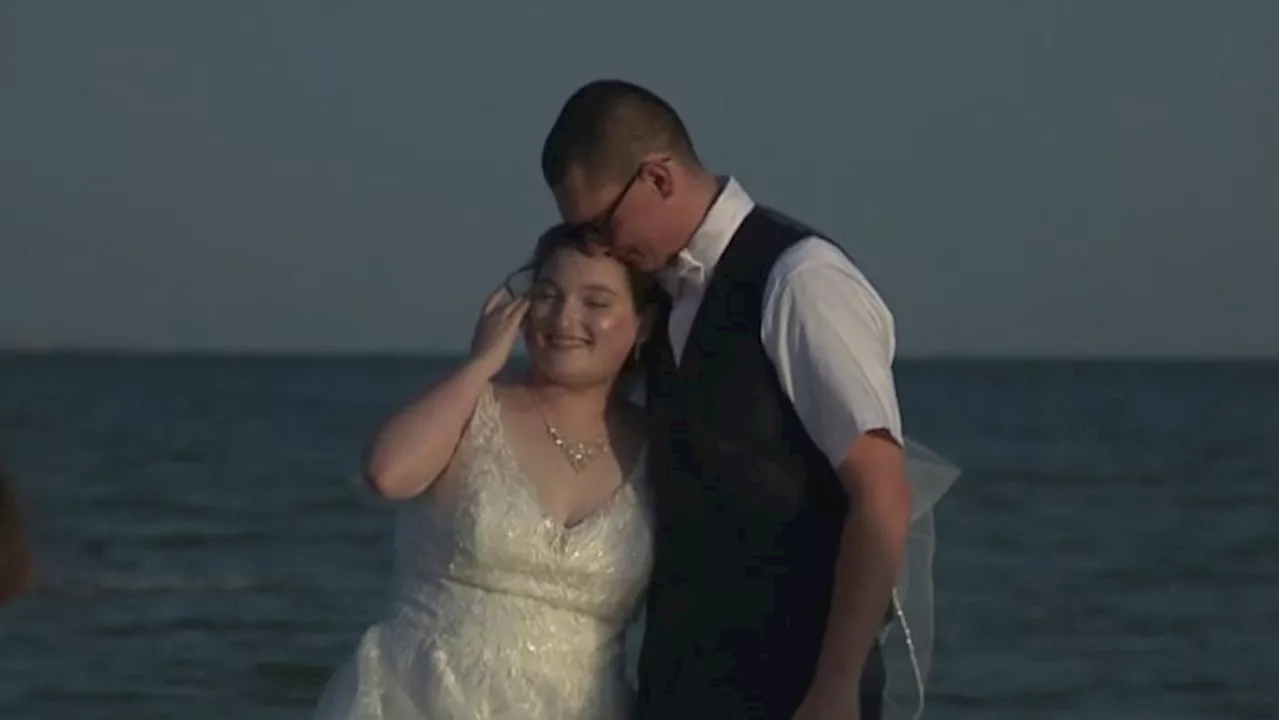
98, 583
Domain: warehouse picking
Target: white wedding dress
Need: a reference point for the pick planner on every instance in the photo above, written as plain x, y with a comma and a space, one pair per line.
498, 611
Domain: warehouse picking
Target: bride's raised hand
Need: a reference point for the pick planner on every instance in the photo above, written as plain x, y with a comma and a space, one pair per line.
496, 331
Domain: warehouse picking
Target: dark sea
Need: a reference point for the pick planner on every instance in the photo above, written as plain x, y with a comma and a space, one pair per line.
206, 551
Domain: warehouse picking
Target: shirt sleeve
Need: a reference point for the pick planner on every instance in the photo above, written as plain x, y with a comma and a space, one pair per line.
831, 339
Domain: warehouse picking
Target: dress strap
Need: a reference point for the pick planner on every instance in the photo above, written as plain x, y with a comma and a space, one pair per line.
485, 424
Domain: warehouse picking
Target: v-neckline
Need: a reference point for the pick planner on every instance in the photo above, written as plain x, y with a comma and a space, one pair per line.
530, 488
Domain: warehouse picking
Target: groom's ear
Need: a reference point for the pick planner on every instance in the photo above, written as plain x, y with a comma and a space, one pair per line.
658, 174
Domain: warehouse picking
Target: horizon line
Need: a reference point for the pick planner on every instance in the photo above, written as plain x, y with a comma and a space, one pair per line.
410, 353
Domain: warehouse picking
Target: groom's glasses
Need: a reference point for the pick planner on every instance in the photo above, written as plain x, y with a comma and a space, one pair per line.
599, 230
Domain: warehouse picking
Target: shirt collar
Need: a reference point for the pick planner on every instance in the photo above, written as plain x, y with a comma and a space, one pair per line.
691, 268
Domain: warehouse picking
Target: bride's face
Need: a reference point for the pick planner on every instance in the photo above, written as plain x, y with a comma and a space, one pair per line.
582, 320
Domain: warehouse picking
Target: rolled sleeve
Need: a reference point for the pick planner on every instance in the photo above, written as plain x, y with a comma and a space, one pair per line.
831, 339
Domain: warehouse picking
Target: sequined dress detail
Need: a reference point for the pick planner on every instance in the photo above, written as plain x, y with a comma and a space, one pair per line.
499, 611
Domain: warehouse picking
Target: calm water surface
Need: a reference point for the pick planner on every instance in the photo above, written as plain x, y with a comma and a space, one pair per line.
206, 552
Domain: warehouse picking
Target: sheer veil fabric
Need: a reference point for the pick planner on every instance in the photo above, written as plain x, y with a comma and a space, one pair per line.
907, 641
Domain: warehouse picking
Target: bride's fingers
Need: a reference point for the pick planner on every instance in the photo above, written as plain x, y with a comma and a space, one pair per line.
513, 316
496, 298
516, 308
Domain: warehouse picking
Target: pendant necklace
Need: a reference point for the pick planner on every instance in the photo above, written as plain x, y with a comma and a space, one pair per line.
578, 454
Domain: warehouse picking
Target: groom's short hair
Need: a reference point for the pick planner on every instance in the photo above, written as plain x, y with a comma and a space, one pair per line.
607, 127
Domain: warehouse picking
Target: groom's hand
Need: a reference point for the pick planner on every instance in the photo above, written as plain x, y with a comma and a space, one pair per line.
821, 704
810, 711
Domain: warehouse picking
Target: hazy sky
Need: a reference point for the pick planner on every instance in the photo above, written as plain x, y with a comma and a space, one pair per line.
1021, 177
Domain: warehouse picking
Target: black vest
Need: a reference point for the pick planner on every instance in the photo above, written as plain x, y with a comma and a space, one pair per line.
748, 511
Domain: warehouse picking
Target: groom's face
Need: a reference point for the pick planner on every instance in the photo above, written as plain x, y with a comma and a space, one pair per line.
622, 217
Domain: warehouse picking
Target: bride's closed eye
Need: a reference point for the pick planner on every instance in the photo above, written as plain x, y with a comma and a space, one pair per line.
598, 302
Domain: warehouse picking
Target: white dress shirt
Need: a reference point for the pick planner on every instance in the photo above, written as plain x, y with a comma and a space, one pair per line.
826, 329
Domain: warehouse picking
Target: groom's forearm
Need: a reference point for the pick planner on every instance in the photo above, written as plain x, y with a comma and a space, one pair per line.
871, 550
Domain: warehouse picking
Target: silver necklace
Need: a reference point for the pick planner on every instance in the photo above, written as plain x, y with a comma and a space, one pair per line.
577, 454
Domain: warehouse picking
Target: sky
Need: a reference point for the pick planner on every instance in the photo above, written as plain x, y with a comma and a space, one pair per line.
1017, 178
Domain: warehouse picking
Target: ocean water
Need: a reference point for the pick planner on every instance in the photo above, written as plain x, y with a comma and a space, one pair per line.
206, 552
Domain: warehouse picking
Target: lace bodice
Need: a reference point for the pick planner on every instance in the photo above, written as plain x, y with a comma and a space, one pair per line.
489, 531
498, 610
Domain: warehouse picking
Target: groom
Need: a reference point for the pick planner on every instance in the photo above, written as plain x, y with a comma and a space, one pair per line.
780, 492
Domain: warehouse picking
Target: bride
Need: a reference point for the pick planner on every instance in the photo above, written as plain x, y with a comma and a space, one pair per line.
523, 545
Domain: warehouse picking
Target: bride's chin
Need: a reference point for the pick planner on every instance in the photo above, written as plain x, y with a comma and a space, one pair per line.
570, 370
551, 357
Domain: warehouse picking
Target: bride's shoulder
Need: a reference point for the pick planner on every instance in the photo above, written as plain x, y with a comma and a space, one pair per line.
510, 396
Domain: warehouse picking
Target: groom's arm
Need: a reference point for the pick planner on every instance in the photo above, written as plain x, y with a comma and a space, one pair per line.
831, 339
